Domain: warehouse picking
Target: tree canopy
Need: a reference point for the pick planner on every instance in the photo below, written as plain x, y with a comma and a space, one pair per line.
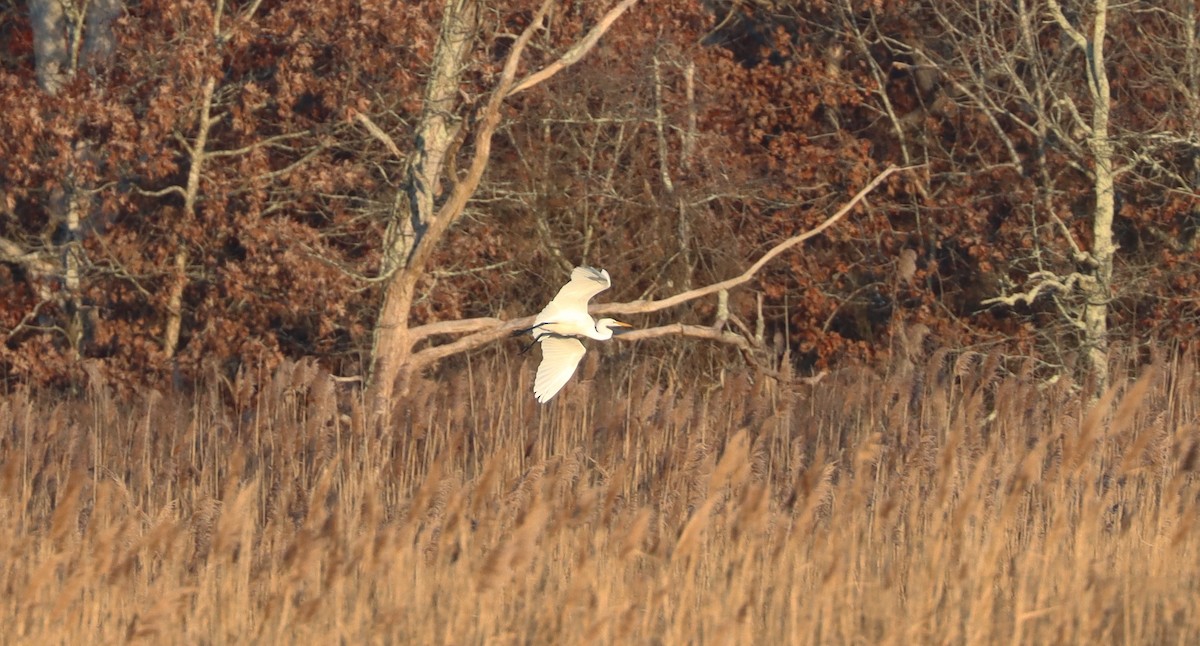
225, 182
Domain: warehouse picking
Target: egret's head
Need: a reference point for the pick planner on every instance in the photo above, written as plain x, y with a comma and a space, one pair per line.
615, 326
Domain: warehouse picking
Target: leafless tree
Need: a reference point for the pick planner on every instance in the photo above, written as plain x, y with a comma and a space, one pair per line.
67, 36
425, 208
1038, 73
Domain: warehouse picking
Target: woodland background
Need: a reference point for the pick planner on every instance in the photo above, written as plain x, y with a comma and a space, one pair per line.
185, 182
213, 214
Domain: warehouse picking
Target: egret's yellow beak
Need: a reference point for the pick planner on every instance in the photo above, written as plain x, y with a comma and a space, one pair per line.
619, 327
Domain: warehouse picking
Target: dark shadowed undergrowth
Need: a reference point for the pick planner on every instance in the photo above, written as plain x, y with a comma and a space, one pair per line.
958, 500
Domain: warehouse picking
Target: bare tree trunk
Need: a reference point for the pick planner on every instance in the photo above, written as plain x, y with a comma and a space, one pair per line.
71, 252
392, 343
1097, 291
50, 50
1095, 315
191, 193
998, 62
175, 305
52, 62
415, 206
58, 33
100, 40
436, 131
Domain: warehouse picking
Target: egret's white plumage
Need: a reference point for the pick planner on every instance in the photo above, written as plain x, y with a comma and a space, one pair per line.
560, 357
559, 327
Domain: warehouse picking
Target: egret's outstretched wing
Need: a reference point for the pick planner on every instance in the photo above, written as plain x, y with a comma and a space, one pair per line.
560, 357
585, 283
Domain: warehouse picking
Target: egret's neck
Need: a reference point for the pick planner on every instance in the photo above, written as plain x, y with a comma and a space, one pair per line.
603, 333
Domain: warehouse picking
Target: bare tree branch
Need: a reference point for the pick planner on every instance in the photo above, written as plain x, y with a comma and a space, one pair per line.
489, 120
643, 306
693, 331
1046, 282
436, 353
379, 134
162, 192
24, 322
251, 147
12, 252
1057, 13
486, 330
575, 53
462, 326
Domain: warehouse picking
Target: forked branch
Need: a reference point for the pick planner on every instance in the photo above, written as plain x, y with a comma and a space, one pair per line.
489, 119
1045, 282
576, 52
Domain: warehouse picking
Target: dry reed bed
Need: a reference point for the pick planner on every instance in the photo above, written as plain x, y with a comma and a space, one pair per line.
953, 502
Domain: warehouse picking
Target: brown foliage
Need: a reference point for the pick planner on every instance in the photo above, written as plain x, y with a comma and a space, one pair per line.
695, 136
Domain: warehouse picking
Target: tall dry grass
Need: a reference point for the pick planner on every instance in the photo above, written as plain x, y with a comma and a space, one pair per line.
959, 501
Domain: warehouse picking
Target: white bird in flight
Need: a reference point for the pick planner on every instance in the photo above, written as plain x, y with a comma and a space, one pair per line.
562, 324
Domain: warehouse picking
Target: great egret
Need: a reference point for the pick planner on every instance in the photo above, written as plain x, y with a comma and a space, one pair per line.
561, 325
